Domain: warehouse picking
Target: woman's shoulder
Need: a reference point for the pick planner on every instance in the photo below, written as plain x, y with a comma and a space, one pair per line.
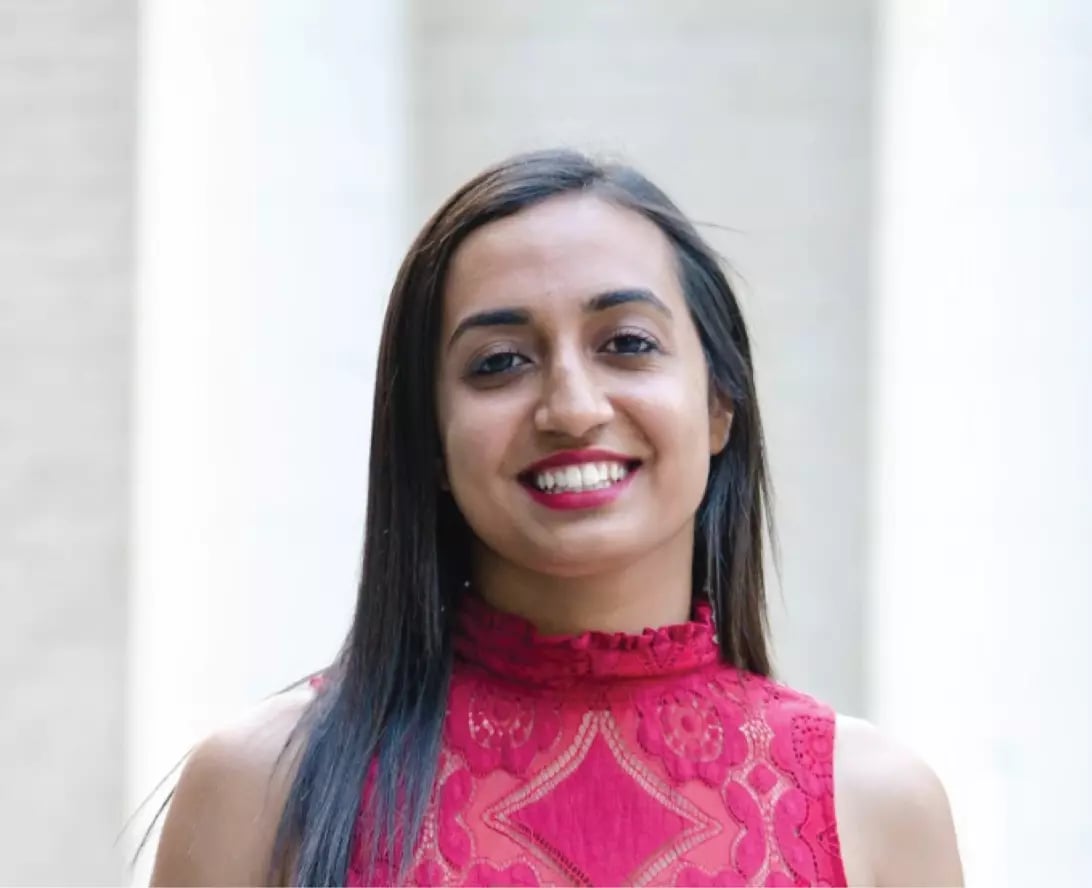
226, 807
894, 823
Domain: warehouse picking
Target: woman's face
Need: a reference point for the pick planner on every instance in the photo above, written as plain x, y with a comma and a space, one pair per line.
572, 391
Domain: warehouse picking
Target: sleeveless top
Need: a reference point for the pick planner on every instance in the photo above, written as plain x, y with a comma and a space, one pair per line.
618, 759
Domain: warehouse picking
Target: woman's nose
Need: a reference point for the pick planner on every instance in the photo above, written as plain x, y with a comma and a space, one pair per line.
573, 402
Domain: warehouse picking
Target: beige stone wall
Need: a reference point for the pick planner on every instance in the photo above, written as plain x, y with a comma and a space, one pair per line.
755, 116
67, 87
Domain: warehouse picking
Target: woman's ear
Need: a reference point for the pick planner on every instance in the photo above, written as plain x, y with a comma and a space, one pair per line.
720, 423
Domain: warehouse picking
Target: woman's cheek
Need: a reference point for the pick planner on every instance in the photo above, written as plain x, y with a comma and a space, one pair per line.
475, 446
670, 416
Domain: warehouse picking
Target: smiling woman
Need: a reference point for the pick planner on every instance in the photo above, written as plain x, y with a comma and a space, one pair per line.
558, 672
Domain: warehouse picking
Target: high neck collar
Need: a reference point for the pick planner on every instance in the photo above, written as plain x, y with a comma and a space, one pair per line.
512, 648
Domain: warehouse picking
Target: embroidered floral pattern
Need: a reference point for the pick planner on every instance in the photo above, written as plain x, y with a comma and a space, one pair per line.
805, 748
495, 727
429, 873
761, 779
692, 734
693, 877
750, 851
790, 815
486, 874
453, 839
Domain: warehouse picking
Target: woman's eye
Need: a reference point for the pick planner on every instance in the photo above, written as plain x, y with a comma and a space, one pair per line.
630, 344
499, 362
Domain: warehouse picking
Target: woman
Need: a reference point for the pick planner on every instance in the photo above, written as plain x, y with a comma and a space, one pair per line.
558, 671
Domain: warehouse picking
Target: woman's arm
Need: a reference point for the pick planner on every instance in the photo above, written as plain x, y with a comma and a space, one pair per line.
894, 822
223, 819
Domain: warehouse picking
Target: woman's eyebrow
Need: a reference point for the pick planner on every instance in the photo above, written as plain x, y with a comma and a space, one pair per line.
520, 317
611, 298
497, 317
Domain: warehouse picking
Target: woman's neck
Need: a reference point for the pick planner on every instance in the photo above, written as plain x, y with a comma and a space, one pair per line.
647, 592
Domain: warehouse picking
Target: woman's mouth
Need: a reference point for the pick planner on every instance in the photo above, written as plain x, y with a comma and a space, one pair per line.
582, 485
576, 478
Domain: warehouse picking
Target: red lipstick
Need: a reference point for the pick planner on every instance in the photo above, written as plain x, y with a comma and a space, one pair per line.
578, 499
575, 458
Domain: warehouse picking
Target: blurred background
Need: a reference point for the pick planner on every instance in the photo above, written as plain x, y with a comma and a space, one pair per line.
202, 205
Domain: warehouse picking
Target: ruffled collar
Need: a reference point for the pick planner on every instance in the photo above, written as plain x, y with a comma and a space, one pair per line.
513, 649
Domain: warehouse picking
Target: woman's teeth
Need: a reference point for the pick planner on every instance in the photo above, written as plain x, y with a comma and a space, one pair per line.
589, 476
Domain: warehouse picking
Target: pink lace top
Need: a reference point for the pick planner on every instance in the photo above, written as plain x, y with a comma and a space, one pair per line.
619, 759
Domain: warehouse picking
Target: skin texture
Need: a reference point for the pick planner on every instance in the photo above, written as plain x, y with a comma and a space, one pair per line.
894, 821
222, 822
567, 378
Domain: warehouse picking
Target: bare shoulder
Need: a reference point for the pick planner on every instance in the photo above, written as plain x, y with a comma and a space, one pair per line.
894, 821
223, 819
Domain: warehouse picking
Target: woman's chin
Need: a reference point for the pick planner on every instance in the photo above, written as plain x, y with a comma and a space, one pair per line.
585, 561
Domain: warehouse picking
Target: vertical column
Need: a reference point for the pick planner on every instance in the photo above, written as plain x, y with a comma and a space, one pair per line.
983, 421
270, 218
67, 111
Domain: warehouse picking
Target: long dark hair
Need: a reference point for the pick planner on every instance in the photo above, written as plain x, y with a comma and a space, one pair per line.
378, 718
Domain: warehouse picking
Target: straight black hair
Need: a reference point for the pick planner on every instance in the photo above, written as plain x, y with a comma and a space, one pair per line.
371, 738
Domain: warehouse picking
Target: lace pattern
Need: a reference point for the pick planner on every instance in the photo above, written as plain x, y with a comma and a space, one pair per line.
611, 759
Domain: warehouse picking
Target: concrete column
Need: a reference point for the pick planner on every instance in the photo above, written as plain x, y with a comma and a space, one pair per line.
982, 505
67, 102
270, 218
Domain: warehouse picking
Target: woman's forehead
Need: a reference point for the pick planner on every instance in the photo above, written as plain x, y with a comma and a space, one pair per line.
566, 247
